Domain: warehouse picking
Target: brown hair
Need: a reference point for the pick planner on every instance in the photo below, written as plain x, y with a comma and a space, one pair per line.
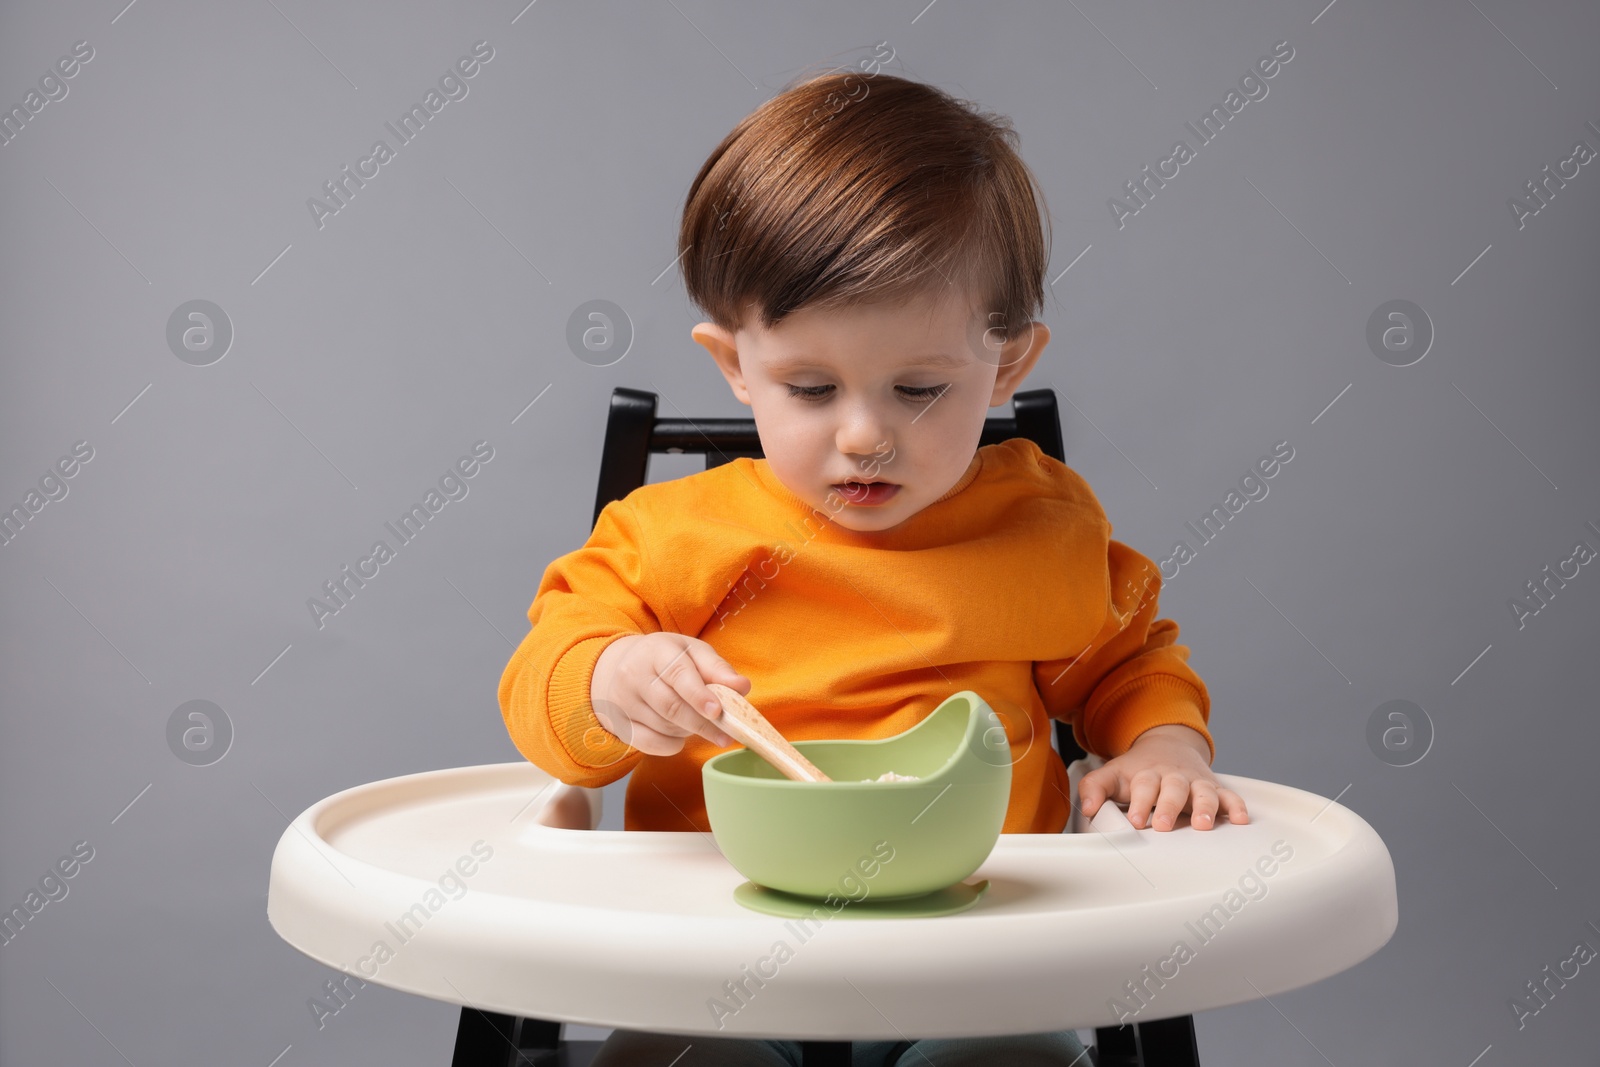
848, 188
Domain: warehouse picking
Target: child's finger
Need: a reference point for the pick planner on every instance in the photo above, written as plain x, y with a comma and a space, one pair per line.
708, 727
1142, 797
1174, 797
714, 668
673, 713
1089, 797
639, 735
1093, 789
709, 665
1233, 804
697, 703
1203, 814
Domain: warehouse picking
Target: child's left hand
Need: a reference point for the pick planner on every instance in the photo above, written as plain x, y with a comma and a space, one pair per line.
1174, 760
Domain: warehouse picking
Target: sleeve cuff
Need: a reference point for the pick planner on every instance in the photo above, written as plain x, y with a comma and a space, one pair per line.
1154, 700
586, 742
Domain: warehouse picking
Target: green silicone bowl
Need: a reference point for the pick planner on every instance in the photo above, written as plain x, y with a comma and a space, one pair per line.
898, 839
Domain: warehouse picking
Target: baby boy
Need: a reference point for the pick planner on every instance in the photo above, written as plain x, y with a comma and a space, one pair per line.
870, 253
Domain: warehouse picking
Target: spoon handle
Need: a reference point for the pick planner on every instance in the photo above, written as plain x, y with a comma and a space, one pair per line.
741, 719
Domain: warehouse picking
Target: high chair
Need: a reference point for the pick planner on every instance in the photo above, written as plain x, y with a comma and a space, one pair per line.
633, 433
1112, 899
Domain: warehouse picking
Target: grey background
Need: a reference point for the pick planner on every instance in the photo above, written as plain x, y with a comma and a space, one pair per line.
1226, 316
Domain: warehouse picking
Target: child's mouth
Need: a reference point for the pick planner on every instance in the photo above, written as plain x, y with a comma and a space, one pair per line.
866, 493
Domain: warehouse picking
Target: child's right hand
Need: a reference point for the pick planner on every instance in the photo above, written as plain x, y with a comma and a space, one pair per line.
649, 691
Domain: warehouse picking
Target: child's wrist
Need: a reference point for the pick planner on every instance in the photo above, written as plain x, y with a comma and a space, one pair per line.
1186, 735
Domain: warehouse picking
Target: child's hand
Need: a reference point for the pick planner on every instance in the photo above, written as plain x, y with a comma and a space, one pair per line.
1172, 758
649, 690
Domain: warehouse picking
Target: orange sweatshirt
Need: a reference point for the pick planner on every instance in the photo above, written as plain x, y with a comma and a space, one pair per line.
1009, 585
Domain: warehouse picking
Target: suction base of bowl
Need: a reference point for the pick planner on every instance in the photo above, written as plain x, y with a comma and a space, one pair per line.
946, 901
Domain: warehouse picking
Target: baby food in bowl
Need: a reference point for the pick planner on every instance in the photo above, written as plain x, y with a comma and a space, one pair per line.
915, 839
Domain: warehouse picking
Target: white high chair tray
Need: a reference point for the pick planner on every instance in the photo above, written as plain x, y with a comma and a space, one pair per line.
641, 930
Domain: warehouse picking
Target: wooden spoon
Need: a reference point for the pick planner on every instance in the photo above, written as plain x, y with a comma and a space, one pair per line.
741, 719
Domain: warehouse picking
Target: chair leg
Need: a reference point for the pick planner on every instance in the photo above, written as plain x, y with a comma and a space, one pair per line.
1115, 1046
538, 1035
825, 1053
493, 1039
1168, 1043
482, 1037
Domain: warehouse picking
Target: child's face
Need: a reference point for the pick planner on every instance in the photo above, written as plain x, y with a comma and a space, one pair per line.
879, 408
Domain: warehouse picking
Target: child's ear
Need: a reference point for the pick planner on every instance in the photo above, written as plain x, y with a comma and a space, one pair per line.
1017, 358
720, 343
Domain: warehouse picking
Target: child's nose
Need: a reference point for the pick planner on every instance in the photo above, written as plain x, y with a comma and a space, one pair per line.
864, 434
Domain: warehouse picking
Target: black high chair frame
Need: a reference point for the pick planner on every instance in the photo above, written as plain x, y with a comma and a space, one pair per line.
633, 434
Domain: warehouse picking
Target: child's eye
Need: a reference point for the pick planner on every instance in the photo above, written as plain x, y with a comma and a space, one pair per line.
918, 394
